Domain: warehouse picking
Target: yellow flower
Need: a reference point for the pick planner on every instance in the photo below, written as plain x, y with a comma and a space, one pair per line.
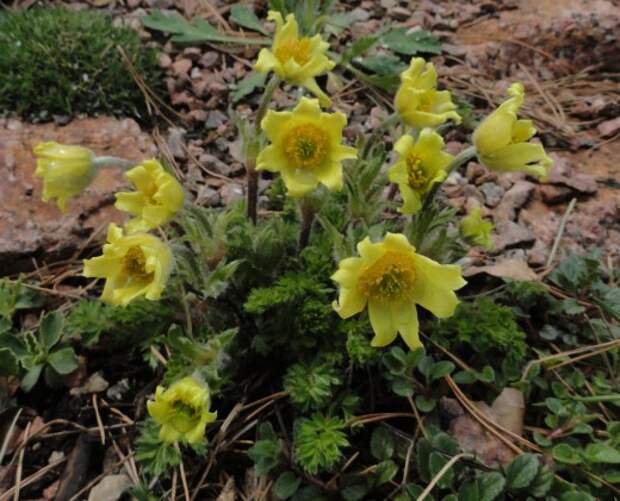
501, 139
305, 147
294, 59
66, 170
391, 278
158, 197
182, 411
418, 101
134, 265
422, 163
476, 230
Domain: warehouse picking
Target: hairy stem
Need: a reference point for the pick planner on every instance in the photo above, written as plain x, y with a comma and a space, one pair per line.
308, 212
250, 162
103, 162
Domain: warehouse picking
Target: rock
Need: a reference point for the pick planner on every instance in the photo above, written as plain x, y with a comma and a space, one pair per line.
231, 193
474, 170
510, 234
94, 384
111, 488
514, 199
553, 194
181, 67
609, 127
176, 142
192, 53
119, 389
208, 196
542, 221
31, 228
562, 172
492, 193
517, 269
216, 118
208, 59
165, 61
537, 255
213, 163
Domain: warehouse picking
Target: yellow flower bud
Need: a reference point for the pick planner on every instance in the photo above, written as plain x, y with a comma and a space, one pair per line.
501, 139
65, 170
133, 266
182, 411
391, 279
295, 59
476, 230
305, 147
422, 163
158, 197
418, 101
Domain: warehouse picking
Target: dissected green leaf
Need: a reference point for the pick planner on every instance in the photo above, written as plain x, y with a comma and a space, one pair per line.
249, 83
411, 43
243, 16
196, 31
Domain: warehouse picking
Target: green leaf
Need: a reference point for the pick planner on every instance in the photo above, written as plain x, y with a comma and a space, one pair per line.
487, 375
423, 451
339, 21
248, 84
265, 454
565, 453
521, 471
436, 463
196, 31
286, 485
385, 472
402, 387
354, 492
490, 485
465, 377
357, 48
602, 453
382, 444
425, 365
8, 363
576, 496
31, 378
412, 43
469, 491
385, 64
64, 361
441, 369
51, 329
542, 483
425, 404
243, 16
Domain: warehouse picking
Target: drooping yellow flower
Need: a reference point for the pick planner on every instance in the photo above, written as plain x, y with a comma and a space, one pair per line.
294, 59
182, 411
65, 170
501, 139
305, 147
133, 265
418, 101
391, 278
476, 230
158, 197
422, 163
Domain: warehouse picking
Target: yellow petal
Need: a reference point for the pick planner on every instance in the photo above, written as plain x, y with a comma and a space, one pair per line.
312, 86
275, 123
266, 61
382, 322
350, 302
412, 200
331, 176
398, 242
348, 271
434, 286
404, 145
406, 318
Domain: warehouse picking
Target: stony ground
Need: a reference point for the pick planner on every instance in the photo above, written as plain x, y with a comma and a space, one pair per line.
565, 53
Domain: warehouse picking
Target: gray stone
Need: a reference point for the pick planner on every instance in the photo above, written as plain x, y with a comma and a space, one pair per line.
492, 193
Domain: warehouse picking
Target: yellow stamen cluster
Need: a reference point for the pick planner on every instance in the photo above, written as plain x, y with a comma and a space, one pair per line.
416, 173
391, 277
298, 50
306, 145
134, 263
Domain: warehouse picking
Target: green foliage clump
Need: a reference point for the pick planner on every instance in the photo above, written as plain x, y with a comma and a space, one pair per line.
55, 61
488, 328
310, 386
319, 441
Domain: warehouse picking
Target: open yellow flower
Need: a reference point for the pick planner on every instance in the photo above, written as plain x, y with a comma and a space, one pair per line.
294, 59
65, 170
391, 278
422, 163
476, 230
501, 139
182, 411
158, 197
418, 101
305, 147
134, 265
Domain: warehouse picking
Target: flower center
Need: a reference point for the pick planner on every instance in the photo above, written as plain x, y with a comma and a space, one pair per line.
426, 102
185, 416
389, 278
417, 175
134, 263
298, 50
306, 146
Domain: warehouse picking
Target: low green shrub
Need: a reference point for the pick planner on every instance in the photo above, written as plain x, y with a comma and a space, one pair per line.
60, 62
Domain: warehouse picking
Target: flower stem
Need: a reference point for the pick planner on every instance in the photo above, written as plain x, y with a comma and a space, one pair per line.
464, 156
105, 162
250, 162
308, 211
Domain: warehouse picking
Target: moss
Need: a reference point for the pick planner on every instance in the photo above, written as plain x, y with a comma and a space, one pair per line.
490, 329
59, 62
